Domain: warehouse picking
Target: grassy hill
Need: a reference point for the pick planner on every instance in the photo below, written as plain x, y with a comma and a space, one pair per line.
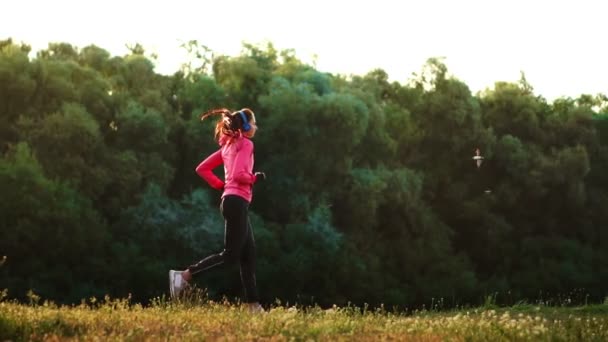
196, 320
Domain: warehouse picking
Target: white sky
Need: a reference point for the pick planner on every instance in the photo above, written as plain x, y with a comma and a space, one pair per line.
561, 46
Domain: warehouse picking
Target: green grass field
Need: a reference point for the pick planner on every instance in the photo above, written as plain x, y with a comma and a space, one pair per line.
195, 320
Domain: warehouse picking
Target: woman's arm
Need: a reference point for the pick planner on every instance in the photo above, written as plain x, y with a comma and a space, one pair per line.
205, 168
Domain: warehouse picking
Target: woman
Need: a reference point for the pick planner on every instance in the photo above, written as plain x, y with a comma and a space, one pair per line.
233, 132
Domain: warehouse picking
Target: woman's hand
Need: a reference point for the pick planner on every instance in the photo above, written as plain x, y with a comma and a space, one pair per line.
259, 176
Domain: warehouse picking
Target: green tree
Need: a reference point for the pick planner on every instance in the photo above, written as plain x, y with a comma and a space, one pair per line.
51, 232
69, 146
17, 87
246, 77
144, 131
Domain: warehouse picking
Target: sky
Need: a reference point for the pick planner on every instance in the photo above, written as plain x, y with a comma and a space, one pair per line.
559, 45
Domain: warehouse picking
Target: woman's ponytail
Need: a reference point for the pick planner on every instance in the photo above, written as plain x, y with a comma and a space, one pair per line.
230, 123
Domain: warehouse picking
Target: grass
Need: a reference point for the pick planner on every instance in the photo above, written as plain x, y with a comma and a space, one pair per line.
195, 319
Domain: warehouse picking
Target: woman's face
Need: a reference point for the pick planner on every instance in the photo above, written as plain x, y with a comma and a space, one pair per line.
251, 132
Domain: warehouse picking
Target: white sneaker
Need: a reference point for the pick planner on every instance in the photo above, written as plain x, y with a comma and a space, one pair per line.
176, 283
255, 308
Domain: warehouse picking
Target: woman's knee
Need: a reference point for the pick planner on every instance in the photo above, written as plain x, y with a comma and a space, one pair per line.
230, 256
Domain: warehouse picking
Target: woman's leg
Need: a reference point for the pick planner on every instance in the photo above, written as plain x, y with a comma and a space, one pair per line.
234, 210
248, 267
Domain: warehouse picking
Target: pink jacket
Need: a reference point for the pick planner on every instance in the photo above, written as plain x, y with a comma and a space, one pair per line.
237, 156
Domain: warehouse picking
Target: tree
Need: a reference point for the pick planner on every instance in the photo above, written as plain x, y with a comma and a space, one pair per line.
245, 77
17, 87
143, 130
70, 147
200, 54
50, 231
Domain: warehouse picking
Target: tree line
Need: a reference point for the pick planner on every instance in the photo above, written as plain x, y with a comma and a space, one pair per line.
373, 196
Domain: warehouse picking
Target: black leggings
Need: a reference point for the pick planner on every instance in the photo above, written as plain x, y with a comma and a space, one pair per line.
239, 245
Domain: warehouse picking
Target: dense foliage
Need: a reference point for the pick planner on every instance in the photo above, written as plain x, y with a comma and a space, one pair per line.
373, 195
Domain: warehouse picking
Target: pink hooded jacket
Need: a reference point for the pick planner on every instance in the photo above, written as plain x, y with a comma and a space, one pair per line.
237, 156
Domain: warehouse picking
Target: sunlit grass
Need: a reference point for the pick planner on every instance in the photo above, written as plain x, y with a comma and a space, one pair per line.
199, 319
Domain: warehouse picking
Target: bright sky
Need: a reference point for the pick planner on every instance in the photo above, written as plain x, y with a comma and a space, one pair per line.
559, 45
